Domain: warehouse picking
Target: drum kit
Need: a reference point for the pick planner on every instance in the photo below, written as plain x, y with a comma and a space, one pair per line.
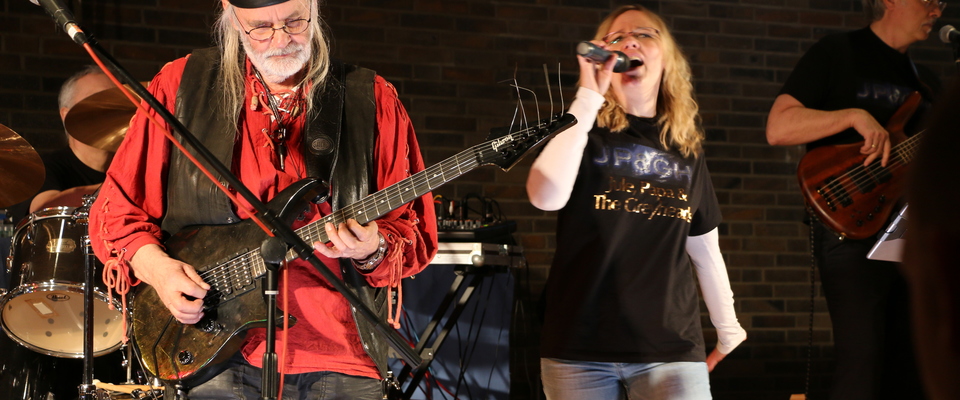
42, 308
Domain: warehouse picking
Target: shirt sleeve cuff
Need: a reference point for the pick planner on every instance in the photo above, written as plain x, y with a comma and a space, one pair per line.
136, 241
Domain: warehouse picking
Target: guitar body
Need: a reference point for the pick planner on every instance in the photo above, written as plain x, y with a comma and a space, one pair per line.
852, 200
173, 351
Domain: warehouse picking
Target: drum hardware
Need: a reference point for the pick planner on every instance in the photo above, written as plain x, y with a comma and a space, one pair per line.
134, 391
87, 389
23, 169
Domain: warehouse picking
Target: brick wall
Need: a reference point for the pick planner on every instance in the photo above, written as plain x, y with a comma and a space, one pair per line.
449, 60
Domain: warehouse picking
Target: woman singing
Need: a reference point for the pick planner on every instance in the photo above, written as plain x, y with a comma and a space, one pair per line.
636, 207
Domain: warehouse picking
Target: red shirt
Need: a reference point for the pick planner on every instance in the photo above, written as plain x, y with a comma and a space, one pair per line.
325, 337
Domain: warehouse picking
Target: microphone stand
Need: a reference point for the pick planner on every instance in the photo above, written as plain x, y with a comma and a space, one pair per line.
273, 252
956, 55
283, 232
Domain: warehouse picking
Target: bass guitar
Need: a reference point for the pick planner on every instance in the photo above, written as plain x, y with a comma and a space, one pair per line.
228, 258
854, 200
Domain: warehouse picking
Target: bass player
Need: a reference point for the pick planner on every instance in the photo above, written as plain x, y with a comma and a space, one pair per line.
844, 90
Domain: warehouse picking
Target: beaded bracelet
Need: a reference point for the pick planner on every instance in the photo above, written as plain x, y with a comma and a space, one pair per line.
371, 262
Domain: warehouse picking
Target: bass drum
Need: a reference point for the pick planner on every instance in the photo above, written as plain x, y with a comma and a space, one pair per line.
24, 374
27, 375
44, 308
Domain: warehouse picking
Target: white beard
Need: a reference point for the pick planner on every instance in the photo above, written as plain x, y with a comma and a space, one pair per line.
277, 70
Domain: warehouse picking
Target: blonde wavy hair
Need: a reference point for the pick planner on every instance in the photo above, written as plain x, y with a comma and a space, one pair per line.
678, 110
233, 59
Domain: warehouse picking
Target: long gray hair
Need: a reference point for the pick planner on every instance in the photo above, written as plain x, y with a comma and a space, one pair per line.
232, 59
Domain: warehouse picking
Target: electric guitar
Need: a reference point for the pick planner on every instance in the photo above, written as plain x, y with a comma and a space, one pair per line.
854, 200
228, 259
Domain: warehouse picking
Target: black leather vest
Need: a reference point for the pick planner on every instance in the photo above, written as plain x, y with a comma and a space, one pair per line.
338, 145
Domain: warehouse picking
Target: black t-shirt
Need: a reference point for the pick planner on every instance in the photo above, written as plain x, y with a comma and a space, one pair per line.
858, 70
621, 288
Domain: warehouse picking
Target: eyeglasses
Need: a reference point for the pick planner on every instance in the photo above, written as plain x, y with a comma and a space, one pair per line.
934, 3
261, 33
639, 34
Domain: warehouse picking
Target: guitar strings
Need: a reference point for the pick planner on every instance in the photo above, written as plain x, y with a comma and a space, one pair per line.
220, 276
454, 163
861, 176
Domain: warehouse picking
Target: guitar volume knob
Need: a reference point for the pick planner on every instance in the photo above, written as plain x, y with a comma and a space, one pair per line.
208, 325
185, 357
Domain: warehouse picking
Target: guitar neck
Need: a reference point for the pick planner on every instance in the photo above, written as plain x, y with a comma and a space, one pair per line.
376, 205
907, 150
504, 151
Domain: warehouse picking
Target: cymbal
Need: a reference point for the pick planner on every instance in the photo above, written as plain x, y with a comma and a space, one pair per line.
101, 120
21, 170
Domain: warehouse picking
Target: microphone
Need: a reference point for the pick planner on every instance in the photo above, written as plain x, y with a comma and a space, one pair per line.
599, 55
949, 34
61, 13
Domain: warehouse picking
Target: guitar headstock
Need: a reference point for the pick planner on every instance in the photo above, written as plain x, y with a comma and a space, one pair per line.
505, 147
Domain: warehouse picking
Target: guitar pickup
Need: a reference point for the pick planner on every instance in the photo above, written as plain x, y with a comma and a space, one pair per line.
242, 279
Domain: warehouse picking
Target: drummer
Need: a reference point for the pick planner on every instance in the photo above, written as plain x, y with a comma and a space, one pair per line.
77, 169
71, 172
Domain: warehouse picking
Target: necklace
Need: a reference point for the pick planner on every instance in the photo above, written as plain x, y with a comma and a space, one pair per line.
279, 136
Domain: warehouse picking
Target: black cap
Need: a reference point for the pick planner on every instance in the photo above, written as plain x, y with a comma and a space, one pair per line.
255, 3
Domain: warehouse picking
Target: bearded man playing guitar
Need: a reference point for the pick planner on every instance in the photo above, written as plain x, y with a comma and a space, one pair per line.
261, 101
857, 89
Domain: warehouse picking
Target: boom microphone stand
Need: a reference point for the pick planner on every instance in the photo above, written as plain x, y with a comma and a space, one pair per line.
284, 233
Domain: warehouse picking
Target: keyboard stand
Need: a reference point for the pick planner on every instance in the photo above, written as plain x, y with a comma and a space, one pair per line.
485, 260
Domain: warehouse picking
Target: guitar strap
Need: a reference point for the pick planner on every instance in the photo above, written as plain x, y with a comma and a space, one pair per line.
322, 134
925, 89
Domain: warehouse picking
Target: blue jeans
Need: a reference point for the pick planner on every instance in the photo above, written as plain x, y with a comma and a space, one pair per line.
241, 381
575, 380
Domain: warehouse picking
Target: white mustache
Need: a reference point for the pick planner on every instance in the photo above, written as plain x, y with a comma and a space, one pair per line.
290, 49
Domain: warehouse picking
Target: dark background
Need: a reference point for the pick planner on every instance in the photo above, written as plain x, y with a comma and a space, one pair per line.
448, 60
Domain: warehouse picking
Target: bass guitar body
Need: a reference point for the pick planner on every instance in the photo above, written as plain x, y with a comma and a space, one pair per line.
854, 200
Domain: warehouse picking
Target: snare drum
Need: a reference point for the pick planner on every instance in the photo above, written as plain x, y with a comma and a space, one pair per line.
44, 308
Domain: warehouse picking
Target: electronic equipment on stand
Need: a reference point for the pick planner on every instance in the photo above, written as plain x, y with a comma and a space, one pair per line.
472, 219
478, 270
476, 258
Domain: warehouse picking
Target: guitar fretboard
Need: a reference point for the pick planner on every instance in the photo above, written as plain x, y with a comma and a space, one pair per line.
376, 205
239, 273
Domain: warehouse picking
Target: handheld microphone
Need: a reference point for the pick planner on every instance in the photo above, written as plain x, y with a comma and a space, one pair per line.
61, 13
599, 55
949, 34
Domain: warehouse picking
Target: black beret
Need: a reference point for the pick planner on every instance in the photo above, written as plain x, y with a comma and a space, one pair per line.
255, 3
